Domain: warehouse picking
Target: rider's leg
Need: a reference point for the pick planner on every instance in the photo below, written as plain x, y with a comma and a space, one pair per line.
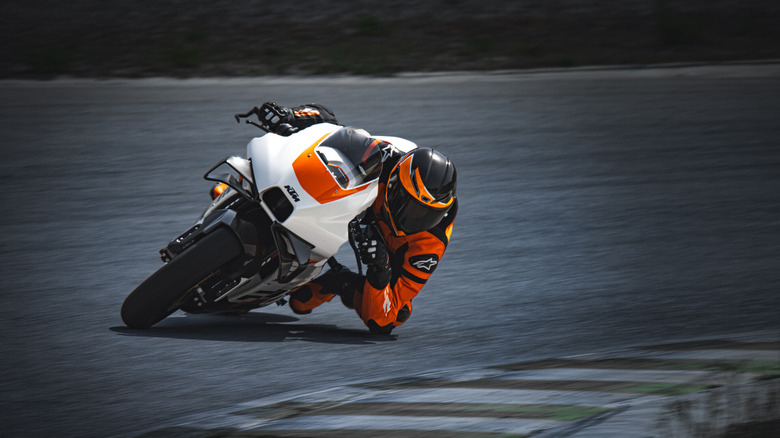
308, 297
322, 289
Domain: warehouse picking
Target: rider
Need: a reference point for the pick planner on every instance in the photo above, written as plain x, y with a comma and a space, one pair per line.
411, 224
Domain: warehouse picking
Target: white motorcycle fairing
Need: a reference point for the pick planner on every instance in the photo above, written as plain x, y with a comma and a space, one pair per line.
322, 208
310, 208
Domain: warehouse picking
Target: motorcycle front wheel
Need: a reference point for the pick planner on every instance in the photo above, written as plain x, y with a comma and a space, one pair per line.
163, 292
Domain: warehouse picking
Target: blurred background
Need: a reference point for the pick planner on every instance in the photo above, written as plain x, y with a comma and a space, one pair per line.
243, 37
600, 209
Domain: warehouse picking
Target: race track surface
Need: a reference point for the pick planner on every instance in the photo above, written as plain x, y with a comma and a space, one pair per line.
598, 210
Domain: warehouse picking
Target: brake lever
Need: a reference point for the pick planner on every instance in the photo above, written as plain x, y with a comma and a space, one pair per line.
253, 111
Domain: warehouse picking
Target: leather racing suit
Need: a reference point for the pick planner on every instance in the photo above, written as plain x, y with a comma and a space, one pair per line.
383, 297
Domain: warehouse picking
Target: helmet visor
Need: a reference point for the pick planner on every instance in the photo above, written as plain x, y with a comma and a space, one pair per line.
410, 215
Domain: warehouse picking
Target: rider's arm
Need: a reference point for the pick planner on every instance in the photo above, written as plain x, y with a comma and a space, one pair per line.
385, 304
304, 116
285, 121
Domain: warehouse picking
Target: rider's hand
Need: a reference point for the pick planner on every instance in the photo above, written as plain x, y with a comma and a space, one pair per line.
273, 113
277, 118
374, 254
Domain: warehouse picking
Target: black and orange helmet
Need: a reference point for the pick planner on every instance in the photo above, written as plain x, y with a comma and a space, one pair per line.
420, 191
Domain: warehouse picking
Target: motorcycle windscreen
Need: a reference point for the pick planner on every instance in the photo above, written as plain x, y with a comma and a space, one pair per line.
352, 157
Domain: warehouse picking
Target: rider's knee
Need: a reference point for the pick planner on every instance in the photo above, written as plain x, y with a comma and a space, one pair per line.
376, 329
401, 317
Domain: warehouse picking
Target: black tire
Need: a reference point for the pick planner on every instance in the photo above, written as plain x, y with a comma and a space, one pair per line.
163, 292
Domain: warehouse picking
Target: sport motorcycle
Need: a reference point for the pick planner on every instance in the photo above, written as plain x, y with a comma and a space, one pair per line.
277, 218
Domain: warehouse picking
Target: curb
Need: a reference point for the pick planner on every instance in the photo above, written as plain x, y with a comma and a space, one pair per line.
694, 388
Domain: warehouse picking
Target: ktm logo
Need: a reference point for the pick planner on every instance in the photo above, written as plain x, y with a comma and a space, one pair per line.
425, 263
293, 193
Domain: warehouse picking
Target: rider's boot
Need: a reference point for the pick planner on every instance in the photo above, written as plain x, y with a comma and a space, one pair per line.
337, 281
308, 297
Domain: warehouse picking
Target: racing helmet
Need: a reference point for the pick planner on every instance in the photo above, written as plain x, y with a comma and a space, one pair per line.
420, 191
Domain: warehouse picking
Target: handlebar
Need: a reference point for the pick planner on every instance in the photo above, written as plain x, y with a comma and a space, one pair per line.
270, 117
253, 111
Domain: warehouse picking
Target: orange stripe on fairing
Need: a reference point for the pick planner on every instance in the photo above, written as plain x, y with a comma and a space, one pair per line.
315, 178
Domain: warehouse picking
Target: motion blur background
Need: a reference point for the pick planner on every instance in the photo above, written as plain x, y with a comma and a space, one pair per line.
242, 37
599, 208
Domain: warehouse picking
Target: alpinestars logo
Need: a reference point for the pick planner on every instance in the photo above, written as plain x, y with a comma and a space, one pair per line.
426, 263
388, 150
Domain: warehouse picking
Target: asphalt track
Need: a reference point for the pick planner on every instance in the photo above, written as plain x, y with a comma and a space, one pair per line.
600, 209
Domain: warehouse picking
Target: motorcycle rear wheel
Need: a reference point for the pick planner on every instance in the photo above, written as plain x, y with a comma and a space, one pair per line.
163, 292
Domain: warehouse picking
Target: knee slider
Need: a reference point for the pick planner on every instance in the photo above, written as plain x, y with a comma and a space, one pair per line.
376, 329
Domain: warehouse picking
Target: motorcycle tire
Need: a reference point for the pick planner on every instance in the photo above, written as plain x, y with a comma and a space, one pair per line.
163, 292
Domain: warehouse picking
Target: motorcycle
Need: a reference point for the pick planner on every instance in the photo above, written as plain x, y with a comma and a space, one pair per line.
285, 211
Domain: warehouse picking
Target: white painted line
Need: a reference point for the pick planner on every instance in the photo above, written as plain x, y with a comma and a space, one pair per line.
222, 421
723, 354
334, 394
382, 422
497, 396
652, 376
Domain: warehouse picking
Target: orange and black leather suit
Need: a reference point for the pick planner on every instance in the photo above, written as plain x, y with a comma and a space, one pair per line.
383, 302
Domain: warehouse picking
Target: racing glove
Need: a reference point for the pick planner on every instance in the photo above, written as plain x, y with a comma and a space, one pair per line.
277, 118
373, 254
285, 121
